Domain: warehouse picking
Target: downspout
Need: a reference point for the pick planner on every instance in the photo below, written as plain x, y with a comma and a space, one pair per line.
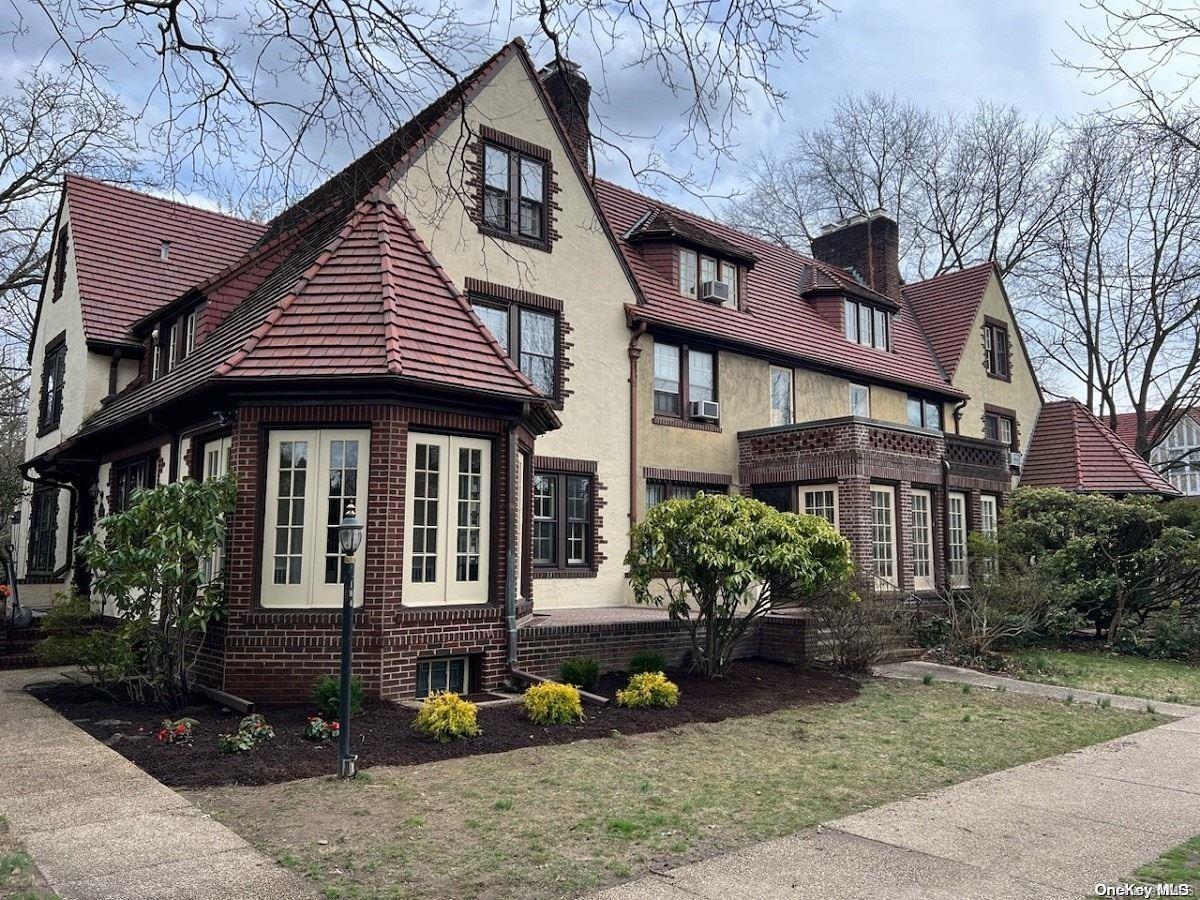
510, 575
957, 415
635, 353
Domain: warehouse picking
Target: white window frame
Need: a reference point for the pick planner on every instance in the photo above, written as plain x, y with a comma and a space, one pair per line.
446, 587
809, 489
445, 684
311, 590
885, 581
866, 392
922, 522
956, 540
989, 527
688, 285
214, 463
776, 417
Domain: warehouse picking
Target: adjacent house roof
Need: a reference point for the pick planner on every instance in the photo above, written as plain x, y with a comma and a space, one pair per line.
1127, 426
117, 240
775, 318
946, 307
1074, 450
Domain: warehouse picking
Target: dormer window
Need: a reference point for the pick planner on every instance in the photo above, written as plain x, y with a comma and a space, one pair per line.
708, 278
173, 342
867, 325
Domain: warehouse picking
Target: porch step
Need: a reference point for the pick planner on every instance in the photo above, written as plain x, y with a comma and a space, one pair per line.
18, 647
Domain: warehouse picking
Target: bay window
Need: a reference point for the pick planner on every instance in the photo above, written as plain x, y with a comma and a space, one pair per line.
448, 520
313, 477
922, 540
956, 539
883, 537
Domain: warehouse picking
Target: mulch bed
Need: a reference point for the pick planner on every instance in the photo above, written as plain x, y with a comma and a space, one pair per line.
382, 734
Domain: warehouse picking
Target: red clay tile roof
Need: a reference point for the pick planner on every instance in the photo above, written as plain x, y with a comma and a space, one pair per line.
116, 238
1127, 426
662, 224
946, 306
1074, 450
775, 318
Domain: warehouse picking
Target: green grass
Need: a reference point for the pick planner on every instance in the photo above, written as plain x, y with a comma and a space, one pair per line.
1155, 679
1178, 866
19, 876
563, 820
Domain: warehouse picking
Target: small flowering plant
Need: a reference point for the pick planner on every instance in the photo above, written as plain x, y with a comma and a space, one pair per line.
252, 731
317, 729
175, 732
5, 592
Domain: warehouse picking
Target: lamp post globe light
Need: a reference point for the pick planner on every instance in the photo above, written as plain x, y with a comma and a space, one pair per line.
350, 532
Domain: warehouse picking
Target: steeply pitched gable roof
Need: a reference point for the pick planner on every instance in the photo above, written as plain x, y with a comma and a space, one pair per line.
117, 237
775, 320
1074, 450
946, 307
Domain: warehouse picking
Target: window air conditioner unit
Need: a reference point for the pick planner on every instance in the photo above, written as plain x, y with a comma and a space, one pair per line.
1015, 459
709, 410
716, 290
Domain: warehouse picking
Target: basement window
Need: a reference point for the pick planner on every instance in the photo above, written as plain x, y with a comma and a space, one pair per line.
435, 676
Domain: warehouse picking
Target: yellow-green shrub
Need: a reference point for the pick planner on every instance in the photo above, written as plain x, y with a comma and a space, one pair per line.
550, 703
648, 689
446, 717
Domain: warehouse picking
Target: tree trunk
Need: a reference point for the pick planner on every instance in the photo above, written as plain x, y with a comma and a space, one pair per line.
1118, 613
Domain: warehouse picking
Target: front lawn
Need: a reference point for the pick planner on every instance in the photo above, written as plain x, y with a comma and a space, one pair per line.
19, 876
555, 821
1178, 866
1133, 676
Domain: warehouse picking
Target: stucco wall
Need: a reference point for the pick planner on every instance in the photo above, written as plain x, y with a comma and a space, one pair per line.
1020, 394
582, 270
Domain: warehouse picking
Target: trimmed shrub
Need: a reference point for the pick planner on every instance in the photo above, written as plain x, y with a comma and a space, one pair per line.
446, 717
327, 696
647, 661
549, 703
649, 689
580, 671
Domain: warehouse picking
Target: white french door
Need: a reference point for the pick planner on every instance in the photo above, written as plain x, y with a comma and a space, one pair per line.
922, 540
448, 519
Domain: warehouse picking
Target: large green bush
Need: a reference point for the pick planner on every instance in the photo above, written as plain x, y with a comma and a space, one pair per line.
327, 695
580, 671
718, 563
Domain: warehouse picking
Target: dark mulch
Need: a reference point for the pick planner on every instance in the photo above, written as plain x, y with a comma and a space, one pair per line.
382, 734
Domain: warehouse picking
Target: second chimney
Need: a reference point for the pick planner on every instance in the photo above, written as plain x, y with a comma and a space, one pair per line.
570, 93
868, 245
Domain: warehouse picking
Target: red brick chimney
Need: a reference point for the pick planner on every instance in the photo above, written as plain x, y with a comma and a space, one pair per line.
868, 245
570, 93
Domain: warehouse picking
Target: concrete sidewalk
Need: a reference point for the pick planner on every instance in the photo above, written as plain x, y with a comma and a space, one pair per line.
917, 670
99, 828
1050, 829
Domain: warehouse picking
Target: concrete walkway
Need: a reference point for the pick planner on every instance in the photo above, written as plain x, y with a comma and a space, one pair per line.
99, 828
1050, 829
917, 670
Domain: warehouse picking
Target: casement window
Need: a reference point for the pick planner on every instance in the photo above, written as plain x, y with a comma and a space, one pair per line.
173, 342
435, 676
657, 491
867, 325
62, 248
820, 501
999, 427
562, 520
682, 376
312, 478
448, 544
995, 350
923, 413
956, 539
43, 529
515, 188
132, 475
883, 537
529, 337
782, 390
922, 540
214, 457
54, 367
988, 528
860, 401
1178, 456
697, 268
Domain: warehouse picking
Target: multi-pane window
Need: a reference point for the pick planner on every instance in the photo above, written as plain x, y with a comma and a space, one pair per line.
562, 520
988, 527
867, 325
821, 502
435, 676
998, 427
883, 537
313, 477
529, 337
860, 401
62, 248
956, 539
922, 540
449, 501
215, 464
689, 273
132, 475
781, 396
509, 175
43, 529
54, 366
995, 350
173, 342
658, 491
697, 268
924, 413
675, 385
1177, 457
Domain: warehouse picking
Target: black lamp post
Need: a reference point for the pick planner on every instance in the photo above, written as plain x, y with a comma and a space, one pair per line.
350, 537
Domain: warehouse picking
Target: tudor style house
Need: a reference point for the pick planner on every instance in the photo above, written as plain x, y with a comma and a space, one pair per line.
503, 362
1177, 455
